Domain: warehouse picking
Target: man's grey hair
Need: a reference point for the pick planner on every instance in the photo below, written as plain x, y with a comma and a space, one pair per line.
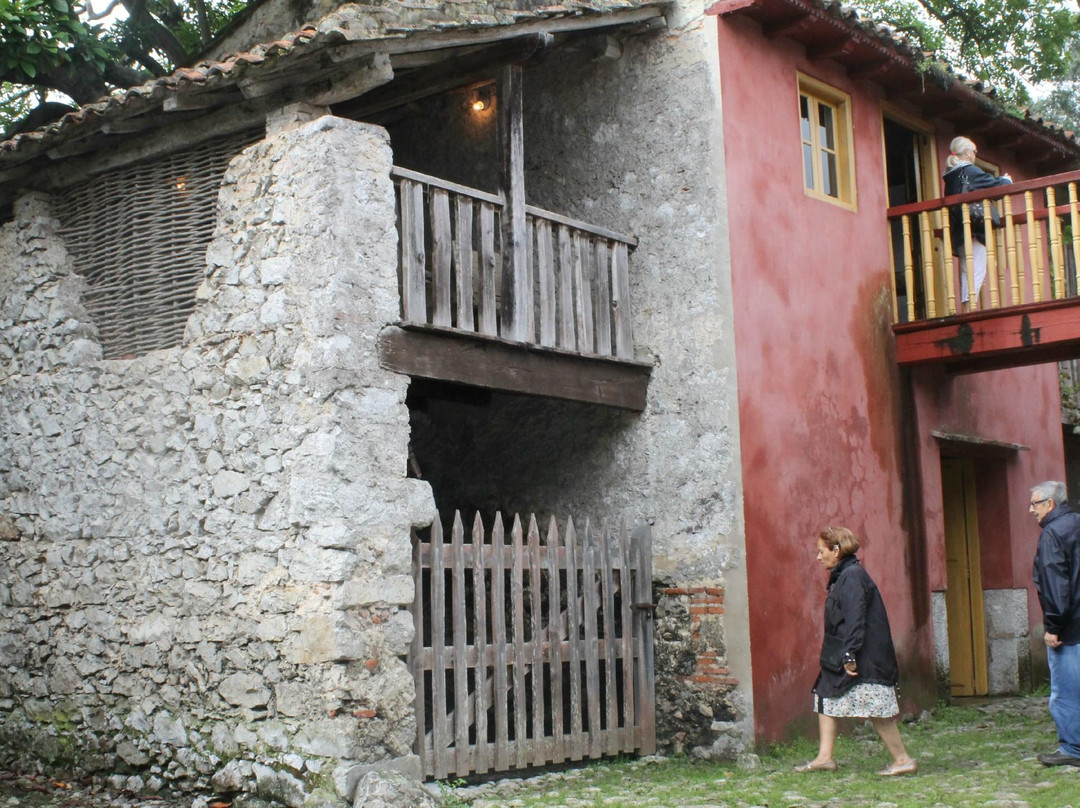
1051, 489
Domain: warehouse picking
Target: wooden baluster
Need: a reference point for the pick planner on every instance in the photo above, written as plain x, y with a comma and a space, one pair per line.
990, 242
1010, 253
487, 324
947, 260
566, 290
1074, 219
620, 302
909, 270
546, 267
1033, 249
441, 246
603, 298
463, 261
530, 301
413, 258
1057, 254
1040, 250
582, 297
969, 259
927, 264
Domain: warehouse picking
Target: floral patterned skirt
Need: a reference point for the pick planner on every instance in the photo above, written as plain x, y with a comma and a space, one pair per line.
862, 701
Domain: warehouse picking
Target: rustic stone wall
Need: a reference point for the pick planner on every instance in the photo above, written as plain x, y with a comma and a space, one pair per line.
204, 552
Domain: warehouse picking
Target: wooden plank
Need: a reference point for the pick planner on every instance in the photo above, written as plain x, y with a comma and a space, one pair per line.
584, 227
440, 734
603, 298
493, 365
463, 262
415, 659
626, 600
499, 643
555, 632
462, 713
480, 563
592, 640
517, 598
573, 622
582, 296
1034, 333
620, 303
540, 754
487, 324
566, 290
609, 647
413, 259
546, 270
517, 277
441, 245
397, 172
646, 699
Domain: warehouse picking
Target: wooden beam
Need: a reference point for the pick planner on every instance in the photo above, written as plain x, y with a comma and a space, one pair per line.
987, 340
516, 277
495, 364
787, 27
831, 49
455, 70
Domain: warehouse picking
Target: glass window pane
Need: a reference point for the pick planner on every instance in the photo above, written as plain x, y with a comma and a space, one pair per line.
804, 112
826, 131
828, 174
808, 165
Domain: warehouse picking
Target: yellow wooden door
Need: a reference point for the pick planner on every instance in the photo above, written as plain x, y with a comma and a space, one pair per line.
964, 596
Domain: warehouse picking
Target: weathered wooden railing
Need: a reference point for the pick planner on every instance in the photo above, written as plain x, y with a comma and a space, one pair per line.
1030, 255
575, 278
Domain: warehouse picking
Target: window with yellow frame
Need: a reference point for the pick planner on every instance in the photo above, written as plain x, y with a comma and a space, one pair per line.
827, 145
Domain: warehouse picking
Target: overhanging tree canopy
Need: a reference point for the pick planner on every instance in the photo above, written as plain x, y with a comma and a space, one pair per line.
62, 46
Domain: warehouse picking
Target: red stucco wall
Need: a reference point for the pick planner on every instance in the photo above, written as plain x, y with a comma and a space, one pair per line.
832, 432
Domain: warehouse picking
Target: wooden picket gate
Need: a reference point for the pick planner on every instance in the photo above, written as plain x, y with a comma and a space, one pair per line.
534, 651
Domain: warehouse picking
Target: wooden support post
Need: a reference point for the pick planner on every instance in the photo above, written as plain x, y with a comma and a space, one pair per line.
517, 285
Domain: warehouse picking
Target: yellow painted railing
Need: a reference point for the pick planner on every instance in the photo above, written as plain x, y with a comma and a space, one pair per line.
1030, 253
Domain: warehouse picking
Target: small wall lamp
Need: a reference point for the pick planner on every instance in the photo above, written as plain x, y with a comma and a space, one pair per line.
481, 99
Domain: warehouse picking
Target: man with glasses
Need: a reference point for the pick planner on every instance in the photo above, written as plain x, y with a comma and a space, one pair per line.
1057, 580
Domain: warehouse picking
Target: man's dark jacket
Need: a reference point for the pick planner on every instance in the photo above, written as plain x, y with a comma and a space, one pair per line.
855, 612
1057, 573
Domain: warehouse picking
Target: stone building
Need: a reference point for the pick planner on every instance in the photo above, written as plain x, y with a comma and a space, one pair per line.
240, 395
210, 474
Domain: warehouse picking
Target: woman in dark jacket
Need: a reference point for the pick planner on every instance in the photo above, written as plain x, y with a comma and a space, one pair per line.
963, 176
858, 664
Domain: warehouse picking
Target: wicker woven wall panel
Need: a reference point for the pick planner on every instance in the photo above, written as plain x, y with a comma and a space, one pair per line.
139, 236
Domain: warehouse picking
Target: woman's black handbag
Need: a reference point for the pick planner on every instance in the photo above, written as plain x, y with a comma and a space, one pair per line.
976, 209
832, 653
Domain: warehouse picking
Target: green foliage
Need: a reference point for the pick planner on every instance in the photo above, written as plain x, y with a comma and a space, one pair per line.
1008, 43
40, 35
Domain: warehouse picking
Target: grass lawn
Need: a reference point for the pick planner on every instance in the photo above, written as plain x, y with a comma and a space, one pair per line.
969, 755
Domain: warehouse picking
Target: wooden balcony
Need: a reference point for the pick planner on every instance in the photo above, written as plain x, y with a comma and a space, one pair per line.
1028, 311
542, 308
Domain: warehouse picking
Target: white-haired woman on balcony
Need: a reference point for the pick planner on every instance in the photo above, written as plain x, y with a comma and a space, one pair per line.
963, 176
